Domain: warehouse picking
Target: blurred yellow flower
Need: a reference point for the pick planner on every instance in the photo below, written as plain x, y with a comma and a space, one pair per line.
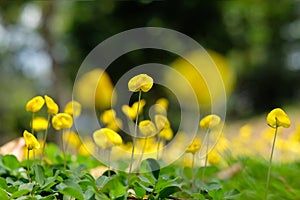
73, 108
31, 141
51, 105
62, 121
214, 158
115, 125
194, 147
147, 128
210, 121
106, 138
131, 111
166, 134
35, 104
101, 98
277, 117
39, 123
72, 138
108, 116
208, 61
161, 122
161, 106
140, 82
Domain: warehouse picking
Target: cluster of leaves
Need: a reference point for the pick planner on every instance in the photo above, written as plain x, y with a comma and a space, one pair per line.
50, 180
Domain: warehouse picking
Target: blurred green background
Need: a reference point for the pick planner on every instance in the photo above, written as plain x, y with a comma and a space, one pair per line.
43, 43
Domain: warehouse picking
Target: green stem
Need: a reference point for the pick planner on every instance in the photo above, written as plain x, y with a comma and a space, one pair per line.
28, 165
270, 163
206, 154
193, 178
32, 118
135, 133
45, 138
63, 149
108, 162
157, 150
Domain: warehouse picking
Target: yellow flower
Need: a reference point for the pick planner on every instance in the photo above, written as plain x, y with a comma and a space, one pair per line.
131, 111
140, 82
161, 105
161, 122
35, 104
61, 121
73, 108
214, 158
194, 147
108, 116
106, 138
210, 121
115, 124
39, 123
166, 133
277, 117
51, 105
72, 138
147, 128
31, 141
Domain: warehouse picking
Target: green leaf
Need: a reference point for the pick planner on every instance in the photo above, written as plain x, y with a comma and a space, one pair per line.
3, 195
198, 196
114, 188
167, 191
188, 172
139, 190
216, 194
20, 193
3, 183
11, 162
233, 194
72, 192
26, 186
39, 174
101, 181
155, 168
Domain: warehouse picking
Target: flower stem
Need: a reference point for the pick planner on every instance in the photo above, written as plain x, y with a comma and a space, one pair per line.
135, 132
32, 118
63, 149
108, 162
206, 154
157, 150
270, 163
45, 138
28, 165
193, 178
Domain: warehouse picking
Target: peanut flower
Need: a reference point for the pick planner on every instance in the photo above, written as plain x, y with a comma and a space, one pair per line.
161, 122
210, 121
141, 82
108, 116
39, 123
131, 111
51, 105
166, 134
31, 141
277, 117
62, 121
73, 108
106, 138
35, 104
161, 105
194, 146
147, 128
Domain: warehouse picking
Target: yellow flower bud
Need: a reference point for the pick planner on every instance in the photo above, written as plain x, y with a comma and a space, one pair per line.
73, 108
31, 141
166, 134
62, 121
277, 117
131, 111
140, 82
210, 121
194, 147
51, 105
161, 122
161, 105
106, 138
108, 116
147, 128
39, 123
35, 104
